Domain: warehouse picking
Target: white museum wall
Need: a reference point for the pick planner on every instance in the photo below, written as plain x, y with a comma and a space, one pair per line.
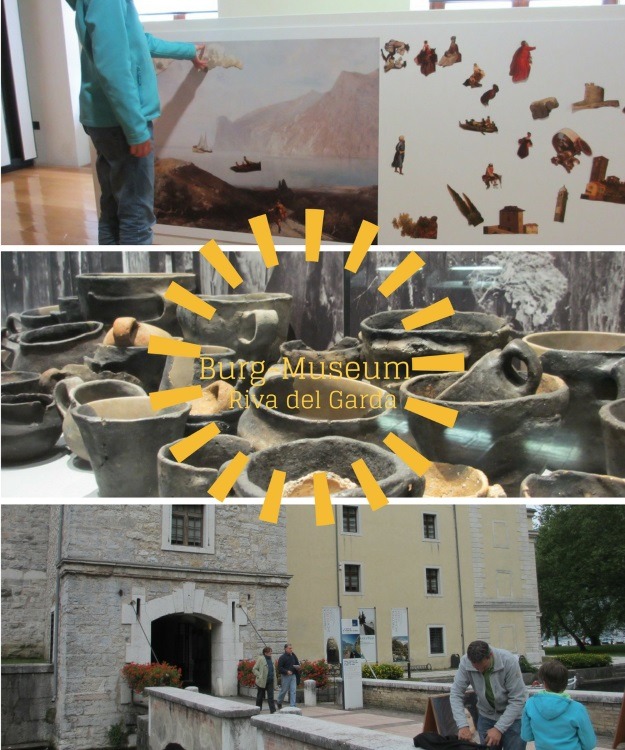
241, 8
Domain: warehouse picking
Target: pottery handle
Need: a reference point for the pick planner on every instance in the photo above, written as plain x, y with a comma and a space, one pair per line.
518, 349
265, 324
63, 393
14, 323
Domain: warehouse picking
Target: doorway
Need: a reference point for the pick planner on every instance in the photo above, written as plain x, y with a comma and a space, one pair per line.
185, 641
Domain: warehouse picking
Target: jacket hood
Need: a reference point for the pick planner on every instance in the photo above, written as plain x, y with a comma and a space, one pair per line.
551, 705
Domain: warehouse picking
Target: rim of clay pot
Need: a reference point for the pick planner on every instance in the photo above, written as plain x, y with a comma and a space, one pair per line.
121, 274
537, 480
405, 390
278, 415
478, 479
546, 341
8, 376
19, 399
490, 323
287, 349
45, 337
250, 297
109, 383
609, 413
165, 457
82, 411
397, 467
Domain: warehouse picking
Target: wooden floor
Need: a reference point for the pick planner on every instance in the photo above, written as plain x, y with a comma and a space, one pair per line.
49, 206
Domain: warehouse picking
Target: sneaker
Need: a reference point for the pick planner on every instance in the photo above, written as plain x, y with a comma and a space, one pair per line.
279, 706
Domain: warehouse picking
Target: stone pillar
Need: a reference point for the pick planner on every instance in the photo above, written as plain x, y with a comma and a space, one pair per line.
310, 693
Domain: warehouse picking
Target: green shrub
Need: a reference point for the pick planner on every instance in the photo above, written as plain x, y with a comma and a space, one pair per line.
117, 735
581, 661
383, 671
526, 667
140, 676
245, 675
315, 670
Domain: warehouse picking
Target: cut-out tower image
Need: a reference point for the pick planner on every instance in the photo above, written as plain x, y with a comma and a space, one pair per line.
511, 222
563, 196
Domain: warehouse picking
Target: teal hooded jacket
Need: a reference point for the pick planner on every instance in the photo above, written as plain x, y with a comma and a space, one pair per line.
556, 722
118, 79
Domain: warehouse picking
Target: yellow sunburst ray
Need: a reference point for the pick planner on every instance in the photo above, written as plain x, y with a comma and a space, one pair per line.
324, 515
220, 262
314, 229
220, 488
273, 499
362, 243
411, 457
430, 314
173, 347
439, 362
262, 233
183, 297
174, 396
434, 412
189, 445
404, 271
373, 492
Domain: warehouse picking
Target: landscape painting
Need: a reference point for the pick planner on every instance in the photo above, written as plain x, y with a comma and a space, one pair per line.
273, 127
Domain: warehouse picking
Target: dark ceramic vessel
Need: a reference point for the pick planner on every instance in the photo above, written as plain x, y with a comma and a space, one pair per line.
193, 476
343, 358
506, 439
334, 454
107, 296
123, 437
135, 360
31, 425
565, 483
14, 382
612, 417
57, 346
39, 317
588, 363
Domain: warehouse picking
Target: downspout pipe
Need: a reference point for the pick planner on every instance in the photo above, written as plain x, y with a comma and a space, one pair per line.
459, 578
57, 604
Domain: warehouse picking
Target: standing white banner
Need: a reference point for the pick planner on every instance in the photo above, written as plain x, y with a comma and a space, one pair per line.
399, 634
332, 634
368, 638
352, 684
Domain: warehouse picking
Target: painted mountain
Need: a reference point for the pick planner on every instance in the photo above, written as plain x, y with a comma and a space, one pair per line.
341, 123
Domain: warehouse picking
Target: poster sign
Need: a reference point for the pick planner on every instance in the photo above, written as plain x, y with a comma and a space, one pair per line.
350, 639
368, 638
399, 634
332, 634
352, 684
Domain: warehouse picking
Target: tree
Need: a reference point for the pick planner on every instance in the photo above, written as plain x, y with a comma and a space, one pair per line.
580, 562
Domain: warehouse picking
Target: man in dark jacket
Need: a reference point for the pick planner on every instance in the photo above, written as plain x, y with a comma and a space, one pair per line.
288, 666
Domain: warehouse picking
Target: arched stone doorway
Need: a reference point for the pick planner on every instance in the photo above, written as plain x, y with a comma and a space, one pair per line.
185, 641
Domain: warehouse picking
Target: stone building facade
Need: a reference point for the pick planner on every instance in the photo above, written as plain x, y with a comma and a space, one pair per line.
94, 587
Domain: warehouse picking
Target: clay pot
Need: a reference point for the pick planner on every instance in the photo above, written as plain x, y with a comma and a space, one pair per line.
328, 454
39, 317
70, 309
180, 372
193, 476
254, 325
506, 439
612, 417
19, 382
586, 361
387, 342
73, 392
106, 296
31, 425
453, 480
134, 360
343, 358
123, 437
284, 409
130, 332
565, 483
57, 345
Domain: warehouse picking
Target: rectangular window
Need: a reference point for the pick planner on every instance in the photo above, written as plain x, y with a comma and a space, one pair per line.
429, 526
350, 519
187, 524
432, 583
437, 640
352, 578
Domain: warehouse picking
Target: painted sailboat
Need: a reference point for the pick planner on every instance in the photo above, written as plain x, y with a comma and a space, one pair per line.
201, 146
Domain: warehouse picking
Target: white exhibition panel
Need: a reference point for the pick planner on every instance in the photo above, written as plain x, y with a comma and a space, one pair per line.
574, 47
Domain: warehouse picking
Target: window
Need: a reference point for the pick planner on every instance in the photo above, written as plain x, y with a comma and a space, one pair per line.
352, 578
432, 582
429, 526
350, 519
189, 528
437, 640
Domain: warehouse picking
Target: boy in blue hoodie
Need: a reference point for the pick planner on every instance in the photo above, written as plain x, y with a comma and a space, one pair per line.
118, 102
552, 718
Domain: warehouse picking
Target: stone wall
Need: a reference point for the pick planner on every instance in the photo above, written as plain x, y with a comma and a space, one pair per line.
25, 616
27, 706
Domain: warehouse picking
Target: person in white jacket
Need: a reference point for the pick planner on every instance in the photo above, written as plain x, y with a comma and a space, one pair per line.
495, 676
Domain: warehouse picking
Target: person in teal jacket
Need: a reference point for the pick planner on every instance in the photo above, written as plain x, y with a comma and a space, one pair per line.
552, 718
118, 103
